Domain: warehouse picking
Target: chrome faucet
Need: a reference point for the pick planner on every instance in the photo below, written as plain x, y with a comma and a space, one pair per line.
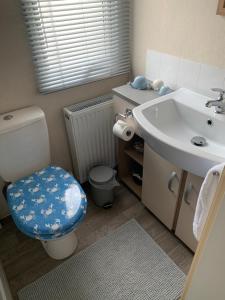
219, 103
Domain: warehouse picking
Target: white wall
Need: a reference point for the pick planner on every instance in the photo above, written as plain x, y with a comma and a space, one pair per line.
179, 72
18, 86
188, 29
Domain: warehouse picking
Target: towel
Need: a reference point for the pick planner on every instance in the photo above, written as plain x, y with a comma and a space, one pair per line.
205, 198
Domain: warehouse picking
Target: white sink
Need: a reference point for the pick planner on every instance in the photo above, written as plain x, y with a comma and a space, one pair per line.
170, 122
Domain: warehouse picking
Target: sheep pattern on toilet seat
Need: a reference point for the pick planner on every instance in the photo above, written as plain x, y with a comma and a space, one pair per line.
48, 204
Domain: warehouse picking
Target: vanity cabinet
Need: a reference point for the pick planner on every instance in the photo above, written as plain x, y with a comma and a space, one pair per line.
161, 182
184, 227
164, 196
167, 191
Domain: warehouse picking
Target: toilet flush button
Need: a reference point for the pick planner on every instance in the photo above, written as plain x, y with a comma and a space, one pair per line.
7, 117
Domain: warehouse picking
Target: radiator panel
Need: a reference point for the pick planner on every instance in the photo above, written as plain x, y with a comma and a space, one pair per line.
89, 129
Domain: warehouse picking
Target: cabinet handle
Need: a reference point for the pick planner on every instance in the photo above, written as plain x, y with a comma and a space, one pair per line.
187, 192
173, 175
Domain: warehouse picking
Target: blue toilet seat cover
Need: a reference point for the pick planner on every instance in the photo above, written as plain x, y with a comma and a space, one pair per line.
48, 204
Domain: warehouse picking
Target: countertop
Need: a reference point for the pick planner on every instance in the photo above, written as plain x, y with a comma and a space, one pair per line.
134, 96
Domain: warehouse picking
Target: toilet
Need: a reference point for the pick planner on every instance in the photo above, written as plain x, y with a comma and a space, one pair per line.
45, 201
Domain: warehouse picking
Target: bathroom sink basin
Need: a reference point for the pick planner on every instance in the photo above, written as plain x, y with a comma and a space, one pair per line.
169, 123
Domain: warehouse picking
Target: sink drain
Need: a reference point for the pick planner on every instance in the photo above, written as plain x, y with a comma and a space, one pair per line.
198, 141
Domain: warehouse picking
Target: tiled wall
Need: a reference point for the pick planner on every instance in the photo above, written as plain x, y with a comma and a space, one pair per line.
178, 72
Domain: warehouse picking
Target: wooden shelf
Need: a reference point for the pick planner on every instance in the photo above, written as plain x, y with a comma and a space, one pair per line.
135, 155
128, 180
129, 159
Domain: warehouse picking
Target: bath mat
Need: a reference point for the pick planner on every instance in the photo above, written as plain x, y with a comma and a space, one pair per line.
124, 265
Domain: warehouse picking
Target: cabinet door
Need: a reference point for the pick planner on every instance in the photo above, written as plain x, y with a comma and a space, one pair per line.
184, 228
161, 181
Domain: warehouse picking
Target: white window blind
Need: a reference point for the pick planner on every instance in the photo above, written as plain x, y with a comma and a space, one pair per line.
77, 41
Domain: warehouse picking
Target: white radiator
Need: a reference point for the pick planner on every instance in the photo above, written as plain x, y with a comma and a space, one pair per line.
89, 127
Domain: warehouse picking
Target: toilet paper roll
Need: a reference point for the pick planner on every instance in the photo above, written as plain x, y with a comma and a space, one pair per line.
123, 131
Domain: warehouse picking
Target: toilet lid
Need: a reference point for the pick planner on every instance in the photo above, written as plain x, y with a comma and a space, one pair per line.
101, 174
48, 204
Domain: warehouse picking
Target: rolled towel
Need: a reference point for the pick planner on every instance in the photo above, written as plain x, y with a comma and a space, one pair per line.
157, 84
140, 83
164, 90
205, 198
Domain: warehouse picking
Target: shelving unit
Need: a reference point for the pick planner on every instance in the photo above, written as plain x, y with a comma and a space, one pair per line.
137, 189
133, 154
127, 158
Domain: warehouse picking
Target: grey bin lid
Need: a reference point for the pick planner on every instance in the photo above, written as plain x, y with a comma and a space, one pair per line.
101, 174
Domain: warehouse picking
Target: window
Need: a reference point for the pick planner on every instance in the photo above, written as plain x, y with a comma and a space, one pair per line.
77, 41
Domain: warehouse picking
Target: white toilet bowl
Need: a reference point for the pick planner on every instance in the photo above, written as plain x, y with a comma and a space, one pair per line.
46, 202
49, 205
62, 247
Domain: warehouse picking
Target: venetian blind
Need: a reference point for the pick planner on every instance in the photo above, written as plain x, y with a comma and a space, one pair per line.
77, 41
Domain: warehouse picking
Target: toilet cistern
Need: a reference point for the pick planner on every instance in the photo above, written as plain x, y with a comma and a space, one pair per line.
219, 103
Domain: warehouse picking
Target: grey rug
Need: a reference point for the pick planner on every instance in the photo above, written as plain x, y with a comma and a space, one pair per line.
126, 264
